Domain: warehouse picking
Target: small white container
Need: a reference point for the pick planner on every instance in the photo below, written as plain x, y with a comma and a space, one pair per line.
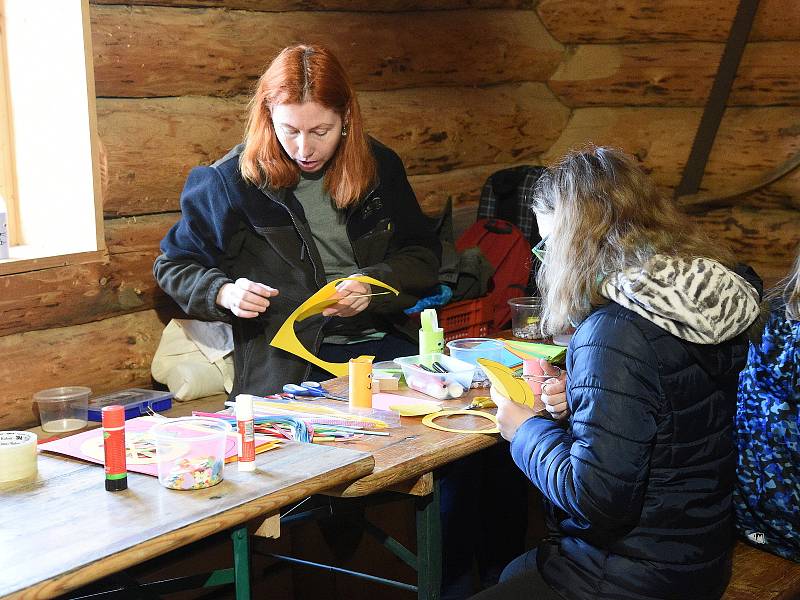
442, 386
63, 408
191, 451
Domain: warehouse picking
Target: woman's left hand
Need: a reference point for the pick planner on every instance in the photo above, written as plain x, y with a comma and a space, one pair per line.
510, 414
353, 297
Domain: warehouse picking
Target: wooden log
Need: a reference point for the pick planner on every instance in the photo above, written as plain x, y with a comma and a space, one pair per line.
750, 141
325, 5
766, 239
105, 355
592, 21
675, 74
76, 294
152, 144
173, 52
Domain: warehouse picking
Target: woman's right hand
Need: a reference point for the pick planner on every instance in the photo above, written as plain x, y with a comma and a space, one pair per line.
245, 298
554, 390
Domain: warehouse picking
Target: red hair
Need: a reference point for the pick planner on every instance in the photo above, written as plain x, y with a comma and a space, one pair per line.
307, 73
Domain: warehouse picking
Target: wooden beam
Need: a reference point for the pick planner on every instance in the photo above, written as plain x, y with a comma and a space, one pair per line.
151, 51
675, 74
432, 133
624, 21
107, 355
328, 5
661, 138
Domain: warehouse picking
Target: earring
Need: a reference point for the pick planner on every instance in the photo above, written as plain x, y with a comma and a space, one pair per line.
344, 130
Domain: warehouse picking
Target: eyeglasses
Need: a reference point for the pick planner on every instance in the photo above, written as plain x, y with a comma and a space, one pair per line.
540, 249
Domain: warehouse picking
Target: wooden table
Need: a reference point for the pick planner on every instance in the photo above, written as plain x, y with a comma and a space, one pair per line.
406, 462
62, 530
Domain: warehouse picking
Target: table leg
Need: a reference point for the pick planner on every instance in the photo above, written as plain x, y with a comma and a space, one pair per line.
429, 545
241, 563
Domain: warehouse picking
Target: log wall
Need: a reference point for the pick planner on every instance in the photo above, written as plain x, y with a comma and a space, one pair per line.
460, 88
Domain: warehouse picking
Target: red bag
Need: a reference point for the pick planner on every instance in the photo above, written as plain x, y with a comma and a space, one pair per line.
509, 252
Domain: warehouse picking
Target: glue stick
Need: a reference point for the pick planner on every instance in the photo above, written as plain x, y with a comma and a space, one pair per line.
113, 420
3, 229
245, 430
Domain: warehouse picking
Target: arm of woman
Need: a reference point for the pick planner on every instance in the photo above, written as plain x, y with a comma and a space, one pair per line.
188, 268
597, 470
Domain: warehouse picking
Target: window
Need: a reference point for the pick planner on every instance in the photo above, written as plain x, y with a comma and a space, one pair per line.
49, 175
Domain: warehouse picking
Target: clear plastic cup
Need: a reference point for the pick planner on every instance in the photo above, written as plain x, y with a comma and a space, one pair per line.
191, 451
471, 349
63, 408
526, 313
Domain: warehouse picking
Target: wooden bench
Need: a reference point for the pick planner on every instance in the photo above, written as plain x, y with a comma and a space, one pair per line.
759, 575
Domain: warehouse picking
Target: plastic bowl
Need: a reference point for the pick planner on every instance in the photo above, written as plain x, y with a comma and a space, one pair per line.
190, 451
471, 349
63, 408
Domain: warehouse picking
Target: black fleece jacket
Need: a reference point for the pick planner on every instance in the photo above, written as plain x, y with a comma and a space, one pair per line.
231, 229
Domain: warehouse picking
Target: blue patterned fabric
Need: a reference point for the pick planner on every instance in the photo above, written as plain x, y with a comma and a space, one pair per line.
767, 497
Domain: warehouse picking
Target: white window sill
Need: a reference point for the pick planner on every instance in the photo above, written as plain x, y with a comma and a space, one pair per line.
34, 258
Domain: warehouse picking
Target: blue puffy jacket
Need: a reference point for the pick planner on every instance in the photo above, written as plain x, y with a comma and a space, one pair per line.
639, 485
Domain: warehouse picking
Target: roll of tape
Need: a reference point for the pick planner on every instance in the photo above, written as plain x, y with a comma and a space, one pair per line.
17, 455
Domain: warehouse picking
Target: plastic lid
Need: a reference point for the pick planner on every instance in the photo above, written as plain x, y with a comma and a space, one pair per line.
62, 394
113, 416
244, 407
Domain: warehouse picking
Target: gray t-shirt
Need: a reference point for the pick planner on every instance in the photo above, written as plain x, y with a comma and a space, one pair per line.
329, 230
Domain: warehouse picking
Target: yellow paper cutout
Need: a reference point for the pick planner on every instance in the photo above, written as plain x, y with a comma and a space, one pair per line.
286, 338
360, 381
509, 386
429, 421
416, 410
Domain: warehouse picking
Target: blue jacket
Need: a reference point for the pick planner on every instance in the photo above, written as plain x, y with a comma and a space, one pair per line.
638, 486
767, 494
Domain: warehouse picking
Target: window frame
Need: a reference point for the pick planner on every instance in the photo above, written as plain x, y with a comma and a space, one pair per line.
38, 256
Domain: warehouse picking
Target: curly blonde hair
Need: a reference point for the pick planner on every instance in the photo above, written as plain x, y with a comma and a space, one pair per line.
607, 216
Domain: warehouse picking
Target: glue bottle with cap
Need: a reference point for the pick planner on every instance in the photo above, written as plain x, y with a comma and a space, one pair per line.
431, 336
113, 420
245, 433
3, 229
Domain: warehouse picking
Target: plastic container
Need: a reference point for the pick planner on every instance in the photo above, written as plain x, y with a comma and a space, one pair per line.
442, 386
467, 318
63, 408
471, 349
525, 316
135, 401
191, 452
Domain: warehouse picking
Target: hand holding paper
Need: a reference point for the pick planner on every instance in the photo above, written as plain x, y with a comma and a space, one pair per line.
352, 297
244, 298
286, 339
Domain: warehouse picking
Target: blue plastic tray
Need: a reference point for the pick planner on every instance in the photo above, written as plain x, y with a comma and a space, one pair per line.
135, 400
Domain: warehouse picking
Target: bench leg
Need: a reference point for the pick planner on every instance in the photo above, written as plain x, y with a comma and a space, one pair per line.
241, 563
429, 545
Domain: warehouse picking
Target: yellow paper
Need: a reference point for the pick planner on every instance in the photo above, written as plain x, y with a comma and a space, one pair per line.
286, 338
503, 379
360, 382
428, 420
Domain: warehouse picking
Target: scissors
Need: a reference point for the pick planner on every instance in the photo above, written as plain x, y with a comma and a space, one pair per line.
310, 388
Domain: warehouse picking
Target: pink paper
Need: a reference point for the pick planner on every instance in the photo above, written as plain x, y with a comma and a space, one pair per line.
382, 401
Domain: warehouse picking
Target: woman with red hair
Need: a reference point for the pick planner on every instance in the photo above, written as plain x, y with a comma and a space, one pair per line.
307, 198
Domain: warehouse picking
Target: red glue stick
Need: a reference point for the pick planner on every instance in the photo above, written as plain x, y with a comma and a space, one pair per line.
113, 419
245, 430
